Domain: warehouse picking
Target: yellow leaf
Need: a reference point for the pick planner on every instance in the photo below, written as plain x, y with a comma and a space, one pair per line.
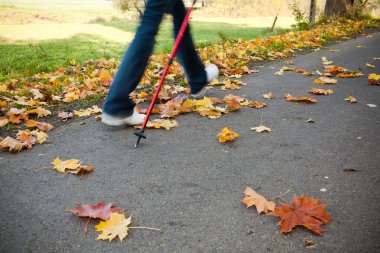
62, 166
252, 198
227, 135
41, 112
370, 65
41, 136
373, 76
117, 225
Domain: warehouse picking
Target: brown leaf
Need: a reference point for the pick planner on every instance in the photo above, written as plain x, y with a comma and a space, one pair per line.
300, 99
325, 80
257, 104
252, 198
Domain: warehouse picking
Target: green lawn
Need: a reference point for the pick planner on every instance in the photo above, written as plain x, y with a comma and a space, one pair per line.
23, 59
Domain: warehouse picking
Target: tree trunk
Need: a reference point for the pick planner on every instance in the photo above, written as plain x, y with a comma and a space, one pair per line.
337, 7
312, 11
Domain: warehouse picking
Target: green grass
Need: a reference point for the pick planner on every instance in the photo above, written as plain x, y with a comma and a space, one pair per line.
24, 59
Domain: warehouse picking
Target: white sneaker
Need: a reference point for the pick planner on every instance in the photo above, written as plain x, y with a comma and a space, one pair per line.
133, 120
212, 72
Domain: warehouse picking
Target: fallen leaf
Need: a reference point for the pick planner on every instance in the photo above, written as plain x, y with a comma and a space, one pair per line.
305, 212
37, 94
351, 99
325, 61
43, 126
87, 112
41, 112
98, 211
261, 129
62, 166
325, 80
160, 123
310, 121
371, 105
359, 46
117, 225
300, 99
323, 190
373, 79
64, 116
227, 134
170, 109
12, 144
26, 138
370, 65
320, 91
257, 104
252, 198
41, 136
268, 95
3, 121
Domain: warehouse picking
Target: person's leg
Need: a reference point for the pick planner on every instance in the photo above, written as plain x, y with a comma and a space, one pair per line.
186, 55
134, 62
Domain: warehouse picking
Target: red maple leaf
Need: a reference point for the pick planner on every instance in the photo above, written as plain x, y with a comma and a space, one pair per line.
304, 212
98, 211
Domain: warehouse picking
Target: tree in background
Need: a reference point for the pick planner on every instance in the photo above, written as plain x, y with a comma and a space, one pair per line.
127, 5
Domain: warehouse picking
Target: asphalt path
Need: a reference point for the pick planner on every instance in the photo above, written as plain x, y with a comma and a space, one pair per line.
188, 184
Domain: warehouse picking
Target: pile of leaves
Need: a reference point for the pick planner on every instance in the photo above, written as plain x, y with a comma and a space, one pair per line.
24, 100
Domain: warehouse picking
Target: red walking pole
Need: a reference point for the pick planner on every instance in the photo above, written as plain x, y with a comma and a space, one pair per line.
140, 133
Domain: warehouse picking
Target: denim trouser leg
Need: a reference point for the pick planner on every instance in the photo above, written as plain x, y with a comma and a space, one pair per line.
186, 55
135, 60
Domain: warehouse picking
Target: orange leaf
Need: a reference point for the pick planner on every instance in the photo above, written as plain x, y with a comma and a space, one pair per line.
300, 99
305, 212
252, 198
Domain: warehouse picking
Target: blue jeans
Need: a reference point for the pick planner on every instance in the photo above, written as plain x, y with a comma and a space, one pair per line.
135, 60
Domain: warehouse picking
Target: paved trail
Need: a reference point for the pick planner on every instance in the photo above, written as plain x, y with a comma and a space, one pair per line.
187, 183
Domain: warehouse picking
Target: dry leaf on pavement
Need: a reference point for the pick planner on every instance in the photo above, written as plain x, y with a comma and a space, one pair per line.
252, 198
261, 129
351, 99
227, 134
320, 91
117, 225
325, 80
300, 99
305, 212
98, 211
268, 95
